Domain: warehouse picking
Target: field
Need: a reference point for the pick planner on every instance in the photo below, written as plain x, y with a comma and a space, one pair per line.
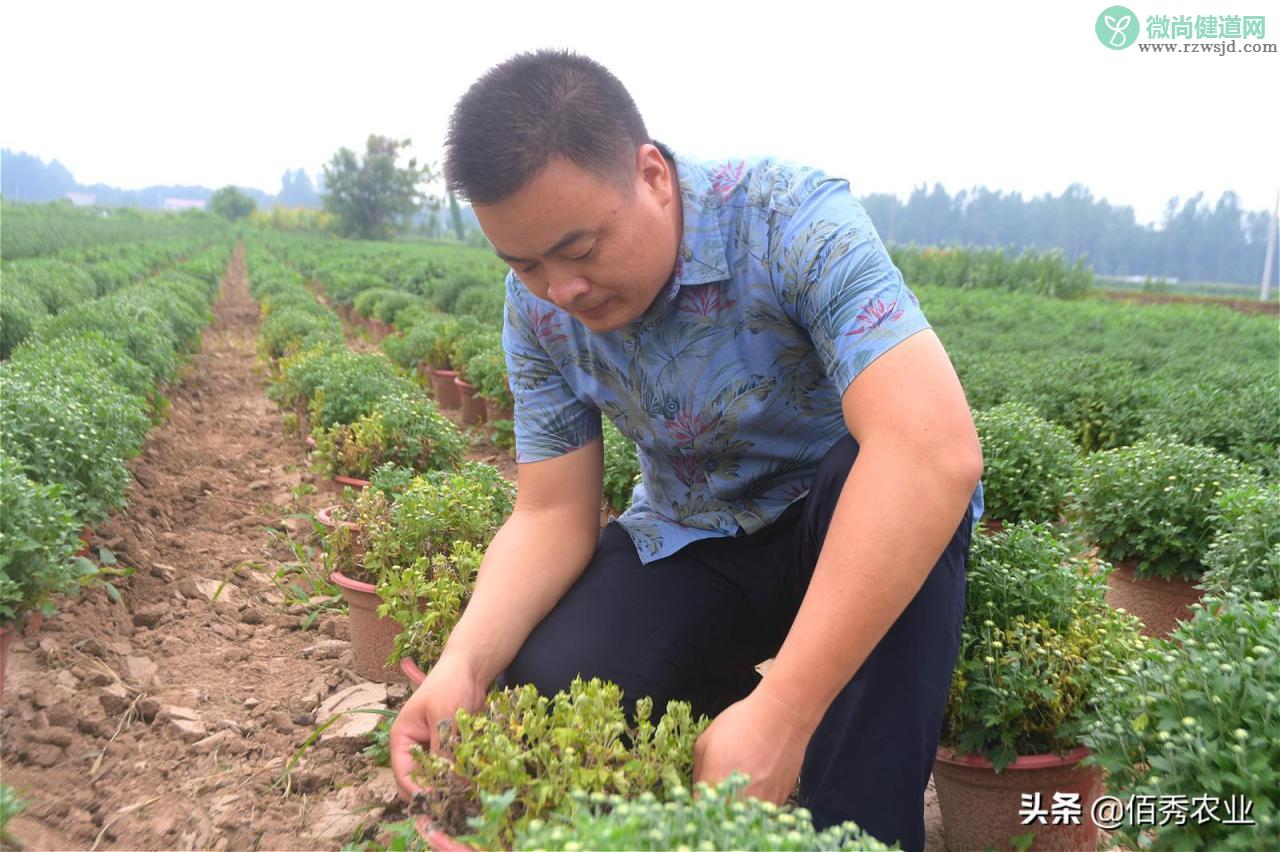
203, 422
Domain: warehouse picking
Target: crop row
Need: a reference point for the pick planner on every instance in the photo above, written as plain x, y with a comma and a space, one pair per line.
41, 230
77, 399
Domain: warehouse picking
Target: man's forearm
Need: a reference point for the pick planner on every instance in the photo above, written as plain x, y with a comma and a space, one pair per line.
533, 560
896, 514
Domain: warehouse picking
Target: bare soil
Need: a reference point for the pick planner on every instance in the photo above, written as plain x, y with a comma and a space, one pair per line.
169, 720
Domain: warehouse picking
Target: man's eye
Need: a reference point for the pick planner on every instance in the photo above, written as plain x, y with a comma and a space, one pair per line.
584, 255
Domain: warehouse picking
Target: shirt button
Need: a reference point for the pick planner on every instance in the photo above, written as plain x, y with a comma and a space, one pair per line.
650, 325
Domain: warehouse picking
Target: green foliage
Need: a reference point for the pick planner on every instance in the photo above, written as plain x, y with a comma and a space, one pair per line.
335, 384
1152, 503
372, 196
487, 370
432, 341
545, 748
77, 430
140, 326
436, 510
716, 817
83, 354
1112, 372
1038, 648
1197, 715
386, 304
1245, 553
408, 431
621, 467
10, 806
1045, 273
289, 330
230, 203
428, 598
467, 347
1029, 463
38, 542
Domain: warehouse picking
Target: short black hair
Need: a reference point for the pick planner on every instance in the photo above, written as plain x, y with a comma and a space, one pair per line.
531, 109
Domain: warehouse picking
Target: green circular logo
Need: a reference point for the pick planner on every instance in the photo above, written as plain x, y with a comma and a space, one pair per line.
1117, 27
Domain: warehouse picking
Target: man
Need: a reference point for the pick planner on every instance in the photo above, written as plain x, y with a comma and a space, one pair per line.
810, 468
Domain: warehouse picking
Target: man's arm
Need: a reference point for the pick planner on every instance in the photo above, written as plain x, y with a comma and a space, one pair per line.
533, 560
536, 556
918, 463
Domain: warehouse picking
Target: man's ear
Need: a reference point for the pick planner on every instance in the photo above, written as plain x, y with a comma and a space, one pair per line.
654, 171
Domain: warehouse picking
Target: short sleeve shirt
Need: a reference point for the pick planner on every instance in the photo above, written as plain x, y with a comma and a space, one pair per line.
730, 384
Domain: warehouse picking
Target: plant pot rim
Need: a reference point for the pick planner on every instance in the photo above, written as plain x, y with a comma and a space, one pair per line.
1023, 762
346, 582
325, 517
463, 383
445, 374
354, 482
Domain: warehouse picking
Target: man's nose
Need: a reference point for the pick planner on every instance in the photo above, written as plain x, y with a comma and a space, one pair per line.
564, 292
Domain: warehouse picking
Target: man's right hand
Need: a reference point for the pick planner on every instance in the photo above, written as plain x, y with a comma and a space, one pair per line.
450, 686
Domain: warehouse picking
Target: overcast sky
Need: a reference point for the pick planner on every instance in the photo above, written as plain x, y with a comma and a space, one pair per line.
1013, 96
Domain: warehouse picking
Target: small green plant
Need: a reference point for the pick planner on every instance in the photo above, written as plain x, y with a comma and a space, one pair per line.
38, 542
436, 510
1153, 503
406, 430
1196, 717
715, 817
621, 467
427, 599
1245, 554
10, 806
487, 370
544, 748
1029, 463
1038, 648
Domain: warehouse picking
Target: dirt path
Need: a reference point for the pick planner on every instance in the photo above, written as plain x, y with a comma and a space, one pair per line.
165, 721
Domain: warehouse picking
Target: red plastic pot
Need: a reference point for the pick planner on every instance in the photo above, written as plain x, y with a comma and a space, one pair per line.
472, 405
447, 394
1159, 603
981, 808
493, 412
410, 668
373, 637
351, 481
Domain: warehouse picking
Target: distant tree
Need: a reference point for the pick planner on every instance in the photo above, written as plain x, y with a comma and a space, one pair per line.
373, 196
25, 177
296, 190
231, 203
455, 218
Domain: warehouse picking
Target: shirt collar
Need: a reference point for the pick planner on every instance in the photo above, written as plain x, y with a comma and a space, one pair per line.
702, 256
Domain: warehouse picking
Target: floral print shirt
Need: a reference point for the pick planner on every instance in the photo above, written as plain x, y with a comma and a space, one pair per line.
730, 384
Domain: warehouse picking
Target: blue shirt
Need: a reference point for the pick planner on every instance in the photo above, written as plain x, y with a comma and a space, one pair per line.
730, 384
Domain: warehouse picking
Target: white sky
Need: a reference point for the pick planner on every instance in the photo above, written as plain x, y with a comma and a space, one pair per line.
1013, 96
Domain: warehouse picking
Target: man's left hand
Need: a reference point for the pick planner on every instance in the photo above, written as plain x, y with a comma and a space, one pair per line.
759, 736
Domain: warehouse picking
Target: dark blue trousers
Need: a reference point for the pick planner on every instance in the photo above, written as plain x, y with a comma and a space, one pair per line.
692, 626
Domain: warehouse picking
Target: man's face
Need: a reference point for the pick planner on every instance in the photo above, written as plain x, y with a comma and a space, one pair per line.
577, 240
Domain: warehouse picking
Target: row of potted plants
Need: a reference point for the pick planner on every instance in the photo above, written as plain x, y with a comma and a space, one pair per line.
77, 399
1057, 696
1155, 509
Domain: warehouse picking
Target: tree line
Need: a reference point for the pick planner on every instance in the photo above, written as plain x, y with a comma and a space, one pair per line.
1196, 241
